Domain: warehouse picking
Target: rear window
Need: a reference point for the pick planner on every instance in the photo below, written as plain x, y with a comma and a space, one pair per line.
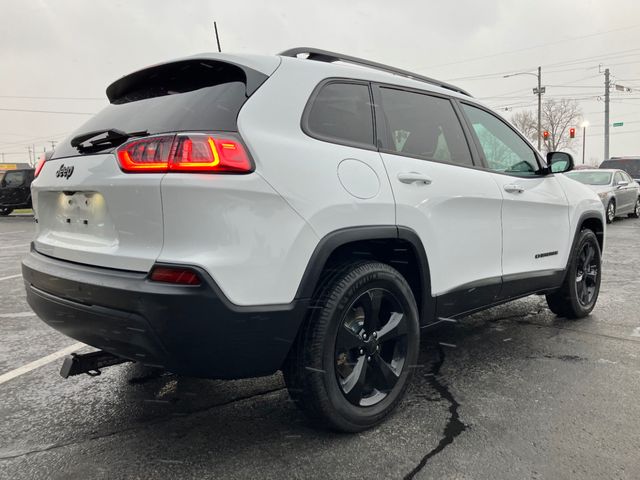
629, 165
182, 96
14, 179
341, 113
590, 178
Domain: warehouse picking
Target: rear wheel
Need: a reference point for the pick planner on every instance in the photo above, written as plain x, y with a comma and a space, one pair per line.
353, 358
636, 209
611, 211
4, 211
579, 292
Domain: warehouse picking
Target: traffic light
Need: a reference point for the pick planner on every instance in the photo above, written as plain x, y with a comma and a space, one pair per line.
545, 135
572, 132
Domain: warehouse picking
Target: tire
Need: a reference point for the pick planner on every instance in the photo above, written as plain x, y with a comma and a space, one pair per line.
636, 209
4, 211
611, 211
349, 366
578, 294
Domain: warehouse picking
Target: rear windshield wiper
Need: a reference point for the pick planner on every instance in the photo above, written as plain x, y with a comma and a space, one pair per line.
108, 137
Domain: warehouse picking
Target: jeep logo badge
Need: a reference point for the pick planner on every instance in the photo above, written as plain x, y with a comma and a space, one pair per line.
65, 172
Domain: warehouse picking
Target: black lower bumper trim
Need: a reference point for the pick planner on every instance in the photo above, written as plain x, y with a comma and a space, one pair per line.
189, 330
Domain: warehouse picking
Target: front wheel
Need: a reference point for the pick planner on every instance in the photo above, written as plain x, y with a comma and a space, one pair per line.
354, 356
636, 209
578, 294
611, 211
4, 211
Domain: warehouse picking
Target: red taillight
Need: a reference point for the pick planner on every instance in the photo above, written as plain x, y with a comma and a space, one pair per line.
39, 165
194, 152
180, 276
146, 155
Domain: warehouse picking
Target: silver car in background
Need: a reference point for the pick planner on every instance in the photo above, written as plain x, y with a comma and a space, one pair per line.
619, 193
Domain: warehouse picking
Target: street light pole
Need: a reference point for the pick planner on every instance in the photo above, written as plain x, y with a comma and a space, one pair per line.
585, 124
538, 91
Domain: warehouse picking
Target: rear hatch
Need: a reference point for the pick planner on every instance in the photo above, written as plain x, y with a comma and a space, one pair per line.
90, 210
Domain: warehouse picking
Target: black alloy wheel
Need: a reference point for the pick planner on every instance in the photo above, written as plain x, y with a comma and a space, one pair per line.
371, 347
578, 294
587, 270
356, 352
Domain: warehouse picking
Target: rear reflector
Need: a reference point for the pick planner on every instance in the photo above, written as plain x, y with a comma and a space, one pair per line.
193, 152
177, 275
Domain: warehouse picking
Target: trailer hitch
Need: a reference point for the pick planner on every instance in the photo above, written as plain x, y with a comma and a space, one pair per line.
89, 363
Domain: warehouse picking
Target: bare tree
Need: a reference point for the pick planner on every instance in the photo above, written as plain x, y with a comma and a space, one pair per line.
527, 123
557, 117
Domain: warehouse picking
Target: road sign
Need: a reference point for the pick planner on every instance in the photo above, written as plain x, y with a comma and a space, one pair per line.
618, 124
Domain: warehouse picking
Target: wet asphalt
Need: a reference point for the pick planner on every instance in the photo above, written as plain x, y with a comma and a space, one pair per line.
513, 392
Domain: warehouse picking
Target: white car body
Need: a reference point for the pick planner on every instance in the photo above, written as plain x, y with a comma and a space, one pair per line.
258, 235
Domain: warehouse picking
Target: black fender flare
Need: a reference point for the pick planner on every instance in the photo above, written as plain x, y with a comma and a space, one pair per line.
337, 238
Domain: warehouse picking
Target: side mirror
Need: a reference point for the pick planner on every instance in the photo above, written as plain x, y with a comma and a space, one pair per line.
559, 162
622, 183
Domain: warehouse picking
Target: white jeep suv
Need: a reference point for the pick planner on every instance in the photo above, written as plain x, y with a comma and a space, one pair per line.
228, 216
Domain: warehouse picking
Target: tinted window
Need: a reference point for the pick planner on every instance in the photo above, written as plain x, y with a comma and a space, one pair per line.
504, 150
204, 96
14, 179
424, 126
342, 112
631, 166
618, 178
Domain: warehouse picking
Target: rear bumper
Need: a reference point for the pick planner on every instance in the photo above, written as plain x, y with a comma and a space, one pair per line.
188, 330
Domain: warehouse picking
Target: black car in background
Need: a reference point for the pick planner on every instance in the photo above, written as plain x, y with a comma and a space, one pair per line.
631, 165
15, 189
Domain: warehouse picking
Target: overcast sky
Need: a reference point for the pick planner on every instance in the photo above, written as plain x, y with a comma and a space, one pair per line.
74, 49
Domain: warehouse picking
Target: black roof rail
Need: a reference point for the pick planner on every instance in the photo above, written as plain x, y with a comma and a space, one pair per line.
330, 57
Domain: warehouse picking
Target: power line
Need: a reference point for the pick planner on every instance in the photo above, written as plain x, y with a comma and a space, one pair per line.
53, 98
533, 47
45, 111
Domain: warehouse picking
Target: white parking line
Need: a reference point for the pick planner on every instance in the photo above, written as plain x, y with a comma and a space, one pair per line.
16, 246
10, 277
17, 315
16, 231
40, 362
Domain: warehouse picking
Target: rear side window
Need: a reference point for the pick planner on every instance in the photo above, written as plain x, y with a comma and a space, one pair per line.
424, 126
14, 179
202, 95
341, 112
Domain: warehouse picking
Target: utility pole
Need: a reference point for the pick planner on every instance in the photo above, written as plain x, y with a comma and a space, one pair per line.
53, 144
539, 107
215, 27
606, 114
539, 91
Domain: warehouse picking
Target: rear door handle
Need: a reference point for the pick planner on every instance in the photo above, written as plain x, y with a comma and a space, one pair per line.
414, 177
512, 188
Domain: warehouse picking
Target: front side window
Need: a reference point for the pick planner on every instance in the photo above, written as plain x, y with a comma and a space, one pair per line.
424, 126
617, 178
342, 112
504, 150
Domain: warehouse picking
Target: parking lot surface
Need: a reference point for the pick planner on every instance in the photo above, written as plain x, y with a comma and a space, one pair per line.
513, 392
